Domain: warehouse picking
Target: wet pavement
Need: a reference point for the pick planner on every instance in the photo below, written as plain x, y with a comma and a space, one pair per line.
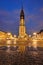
30, 56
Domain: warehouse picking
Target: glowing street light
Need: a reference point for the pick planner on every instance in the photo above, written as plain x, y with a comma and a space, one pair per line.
15, 39
34, 33
29, 35
14, 36
8, 33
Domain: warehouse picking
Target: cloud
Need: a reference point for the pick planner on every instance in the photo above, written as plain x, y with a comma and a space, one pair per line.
4, 13
41, 9
9, 21
34, 21
9, 16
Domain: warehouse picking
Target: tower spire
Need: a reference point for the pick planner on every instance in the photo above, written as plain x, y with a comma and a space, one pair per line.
22, 12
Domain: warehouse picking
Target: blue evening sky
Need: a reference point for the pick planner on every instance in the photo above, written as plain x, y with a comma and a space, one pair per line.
10, 15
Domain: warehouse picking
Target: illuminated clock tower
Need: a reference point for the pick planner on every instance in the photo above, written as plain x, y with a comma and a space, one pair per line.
22, 30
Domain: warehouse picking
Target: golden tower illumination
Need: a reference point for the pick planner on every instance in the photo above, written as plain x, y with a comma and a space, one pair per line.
22, 31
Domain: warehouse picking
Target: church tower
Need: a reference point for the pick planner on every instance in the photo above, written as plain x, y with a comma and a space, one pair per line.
22, 30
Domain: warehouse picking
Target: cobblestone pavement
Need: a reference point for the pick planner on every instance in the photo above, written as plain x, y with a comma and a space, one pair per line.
29, 57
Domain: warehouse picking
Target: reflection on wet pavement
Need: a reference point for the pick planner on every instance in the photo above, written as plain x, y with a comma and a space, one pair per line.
31, 56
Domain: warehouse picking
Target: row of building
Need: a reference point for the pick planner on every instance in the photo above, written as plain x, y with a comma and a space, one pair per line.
38, 36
